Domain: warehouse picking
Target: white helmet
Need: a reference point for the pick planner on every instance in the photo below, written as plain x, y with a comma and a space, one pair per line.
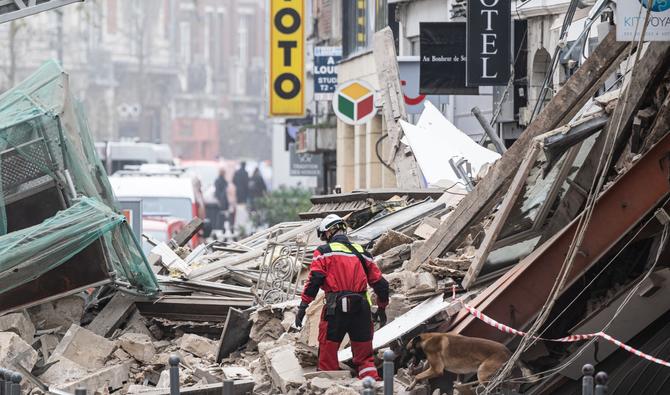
328, 223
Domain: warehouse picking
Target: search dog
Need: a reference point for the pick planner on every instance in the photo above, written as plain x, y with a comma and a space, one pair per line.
457, 354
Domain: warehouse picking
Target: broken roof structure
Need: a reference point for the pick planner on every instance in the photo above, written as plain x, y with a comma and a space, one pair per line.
57, 221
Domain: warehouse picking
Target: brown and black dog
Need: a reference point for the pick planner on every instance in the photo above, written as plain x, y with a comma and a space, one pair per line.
458, 354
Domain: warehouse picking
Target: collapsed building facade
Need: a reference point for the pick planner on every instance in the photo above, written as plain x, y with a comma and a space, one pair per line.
564, 235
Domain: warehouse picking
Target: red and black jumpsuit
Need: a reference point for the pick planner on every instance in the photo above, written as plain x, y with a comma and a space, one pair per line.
338, 270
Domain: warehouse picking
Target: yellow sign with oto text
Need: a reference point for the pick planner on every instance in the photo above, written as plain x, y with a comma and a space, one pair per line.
287, 57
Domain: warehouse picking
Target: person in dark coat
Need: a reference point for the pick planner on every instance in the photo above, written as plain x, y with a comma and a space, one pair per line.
221, 194
257, 188
241, 181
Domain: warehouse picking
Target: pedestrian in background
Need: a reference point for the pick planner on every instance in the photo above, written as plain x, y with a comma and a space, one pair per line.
241, 182
257, 189
221, 193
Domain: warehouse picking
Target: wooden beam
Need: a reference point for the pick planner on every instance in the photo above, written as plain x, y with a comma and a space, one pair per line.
568, 101
407, 172
641, 82
235, 333
187, 232
506, 207
517, 296
117, 310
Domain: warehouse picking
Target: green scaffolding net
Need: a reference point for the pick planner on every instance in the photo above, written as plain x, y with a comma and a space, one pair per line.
55, 198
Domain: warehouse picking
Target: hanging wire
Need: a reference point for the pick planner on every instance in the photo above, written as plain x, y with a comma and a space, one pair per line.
604, 163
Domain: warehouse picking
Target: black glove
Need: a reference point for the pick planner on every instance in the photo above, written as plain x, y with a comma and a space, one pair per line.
301, 314
381, 316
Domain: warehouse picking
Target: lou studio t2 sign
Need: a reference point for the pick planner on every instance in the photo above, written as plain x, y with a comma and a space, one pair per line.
488, 42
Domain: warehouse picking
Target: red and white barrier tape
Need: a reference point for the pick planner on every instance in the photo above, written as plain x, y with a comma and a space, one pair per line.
568, 339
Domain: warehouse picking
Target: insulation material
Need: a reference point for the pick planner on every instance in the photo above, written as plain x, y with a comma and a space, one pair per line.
434, 140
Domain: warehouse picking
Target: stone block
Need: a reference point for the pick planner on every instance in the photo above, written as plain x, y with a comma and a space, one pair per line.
198, 345
14, 350
138, 345
20, 324
63, 371
110, 378
61, 312
236, 372
83, 347
285, 369
164, 380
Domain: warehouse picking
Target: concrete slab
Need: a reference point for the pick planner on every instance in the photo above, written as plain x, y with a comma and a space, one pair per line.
83, 347
285, 368
198, 345
138, 345
20, 324
112, 378
14, 350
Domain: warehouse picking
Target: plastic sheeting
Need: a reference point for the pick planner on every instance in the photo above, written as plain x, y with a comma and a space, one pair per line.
434, 140
31, 252
45, 144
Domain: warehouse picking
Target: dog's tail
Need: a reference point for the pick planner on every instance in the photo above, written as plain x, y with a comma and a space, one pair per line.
527, 372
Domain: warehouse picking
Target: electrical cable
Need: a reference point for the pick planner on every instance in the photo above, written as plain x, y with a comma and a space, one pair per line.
529, 339
379, 140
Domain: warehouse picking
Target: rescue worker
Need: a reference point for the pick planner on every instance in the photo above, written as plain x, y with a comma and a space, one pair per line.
344, 270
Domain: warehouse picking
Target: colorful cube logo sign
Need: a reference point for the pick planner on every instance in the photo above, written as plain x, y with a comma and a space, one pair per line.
354, 102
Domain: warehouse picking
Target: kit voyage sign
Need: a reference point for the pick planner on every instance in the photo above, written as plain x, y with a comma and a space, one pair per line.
287, 58
488, 42
630, 16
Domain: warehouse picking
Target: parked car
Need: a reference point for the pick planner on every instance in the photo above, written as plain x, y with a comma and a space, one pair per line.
116, 155
165, 192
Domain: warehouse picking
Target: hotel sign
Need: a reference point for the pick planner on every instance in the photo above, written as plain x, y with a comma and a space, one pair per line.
488, 42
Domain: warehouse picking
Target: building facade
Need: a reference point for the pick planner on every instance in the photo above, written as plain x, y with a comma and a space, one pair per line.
184, 72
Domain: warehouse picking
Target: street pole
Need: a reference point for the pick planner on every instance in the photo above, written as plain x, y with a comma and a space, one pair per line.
500, 147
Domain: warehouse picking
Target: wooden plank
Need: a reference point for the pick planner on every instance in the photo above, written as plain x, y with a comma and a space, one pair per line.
516, 298
506, 207
187, 232
218, 268
407, 172
235, 333
112, 315
641, 81
568, 101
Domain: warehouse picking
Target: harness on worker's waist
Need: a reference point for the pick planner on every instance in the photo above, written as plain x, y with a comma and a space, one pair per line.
344, 302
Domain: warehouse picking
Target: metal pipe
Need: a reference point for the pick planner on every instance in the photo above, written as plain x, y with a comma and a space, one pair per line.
16, 384
500, 147
368, 384
228, 387
2, 381
601, 383
8, 382
174, 374
388, 370
587, 380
